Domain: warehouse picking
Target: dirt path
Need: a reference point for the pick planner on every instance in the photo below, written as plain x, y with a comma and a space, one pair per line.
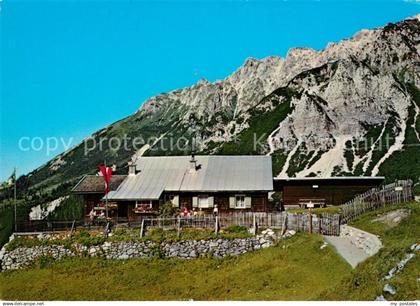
354, 245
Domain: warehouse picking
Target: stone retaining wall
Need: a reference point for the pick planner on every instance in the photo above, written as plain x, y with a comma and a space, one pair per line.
188, 249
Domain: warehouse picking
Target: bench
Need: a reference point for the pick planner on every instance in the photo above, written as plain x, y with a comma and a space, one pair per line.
316, 202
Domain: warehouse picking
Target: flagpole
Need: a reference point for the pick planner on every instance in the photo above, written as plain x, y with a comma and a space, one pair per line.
106, 195
15, 199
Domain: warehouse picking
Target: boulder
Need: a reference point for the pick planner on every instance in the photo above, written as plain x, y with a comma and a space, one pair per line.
92, 251
380, 298
123, 256
389, 289
324, 245
415, 247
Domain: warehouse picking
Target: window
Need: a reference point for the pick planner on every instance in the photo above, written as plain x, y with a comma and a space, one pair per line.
143, 204
203, 201
174, 199
240, 201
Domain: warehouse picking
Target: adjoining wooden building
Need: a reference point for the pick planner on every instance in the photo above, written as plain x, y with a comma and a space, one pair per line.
323, 191
92, 189
232, 183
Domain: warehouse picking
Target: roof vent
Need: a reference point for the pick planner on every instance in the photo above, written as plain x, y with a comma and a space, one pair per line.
193, 164
131, 168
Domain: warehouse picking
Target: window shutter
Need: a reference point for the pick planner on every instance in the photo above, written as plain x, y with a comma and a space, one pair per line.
231, 202
175, 201
247, 202
195, 202
211, 201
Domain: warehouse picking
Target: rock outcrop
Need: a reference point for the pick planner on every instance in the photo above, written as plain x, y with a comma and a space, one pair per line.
349, 109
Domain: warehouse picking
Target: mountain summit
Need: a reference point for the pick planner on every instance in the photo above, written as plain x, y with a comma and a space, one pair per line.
349, 109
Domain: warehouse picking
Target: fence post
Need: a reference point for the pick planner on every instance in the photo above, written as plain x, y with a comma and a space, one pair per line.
254, 224
106, 229
142, 229
179, 227
310, 222
320, 217
339, 225
72, 228
284, 225
216, 225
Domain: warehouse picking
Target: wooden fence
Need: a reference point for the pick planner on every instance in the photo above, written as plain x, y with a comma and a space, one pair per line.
391, 194
327, 224
52, 226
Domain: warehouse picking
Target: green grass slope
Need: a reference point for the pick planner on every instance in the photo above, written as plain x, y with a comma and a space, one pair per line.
296, 269
365, 282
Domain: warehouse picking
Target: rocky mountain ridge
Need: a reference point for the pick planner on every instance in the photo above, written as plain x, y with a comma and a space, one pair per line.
349, 109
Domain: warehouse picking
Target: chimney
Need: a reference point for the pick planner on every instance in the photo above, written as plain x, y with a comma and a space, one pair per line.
193, 164
131, 168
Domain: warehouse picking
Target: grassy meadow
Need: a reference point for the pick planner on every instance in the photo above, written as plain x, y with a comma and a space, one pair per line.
284, 272
295, 269
365, 281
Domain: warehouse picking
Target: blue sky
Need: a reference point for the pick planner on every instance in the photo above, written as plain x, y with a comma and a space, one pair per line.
69, 68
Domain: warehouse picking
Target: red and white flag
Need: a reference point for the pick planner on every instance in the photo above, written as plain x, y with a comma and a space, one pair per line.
106, 174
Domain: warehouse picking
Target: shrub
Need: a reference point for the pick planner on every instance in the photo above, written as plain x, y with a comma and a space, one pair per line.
123, 234
70, 209
416, 189
160, 235
83, 234
83, 237
21, 242
43, 261
168, 210
156, 251
86, 239
236, 229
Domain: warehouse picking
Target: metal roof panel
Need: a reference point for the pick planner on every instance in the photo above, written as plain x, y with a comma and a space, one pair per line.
214, 174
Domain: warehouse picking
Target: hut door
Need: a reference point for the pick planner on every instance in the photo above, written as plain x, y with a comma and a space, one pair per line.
122, 210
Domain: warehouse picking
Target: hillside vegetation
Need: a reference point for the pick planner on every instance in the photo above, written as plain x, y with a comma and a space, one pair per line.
295, 269
365, 281
284, 272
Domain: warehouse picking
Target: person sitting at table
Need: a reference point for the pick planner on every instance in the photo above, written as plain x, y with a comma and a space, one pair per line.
184, 211
92, 215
